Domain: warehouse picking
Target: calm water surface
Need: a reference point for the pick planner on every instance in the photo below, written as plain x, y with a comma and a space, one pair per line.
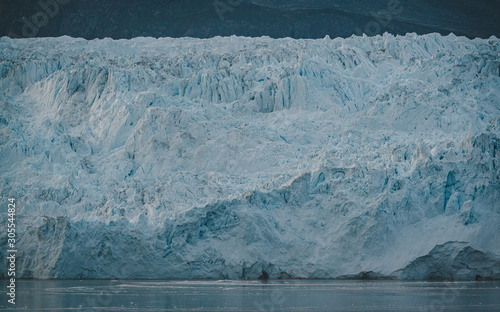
289, 295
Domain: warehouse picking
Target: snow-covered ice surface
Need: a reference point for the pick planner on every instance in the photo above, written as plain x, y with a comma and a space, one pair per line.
230, 157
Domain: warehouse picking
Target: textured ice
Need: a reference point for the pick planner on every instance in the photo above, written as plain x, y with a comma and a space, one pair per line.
230, 157
453, 261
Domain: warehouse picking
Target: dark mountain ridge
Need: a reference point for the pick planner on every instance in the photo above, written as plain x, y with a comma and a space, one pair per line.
204, 19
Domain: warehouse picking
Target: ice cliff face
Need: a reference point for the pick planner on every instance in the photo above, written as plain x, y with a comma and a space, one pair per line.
228, 157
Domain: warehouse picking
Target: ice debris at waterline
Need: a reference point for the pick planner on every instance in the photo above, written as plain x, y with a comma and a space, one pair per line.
249, 157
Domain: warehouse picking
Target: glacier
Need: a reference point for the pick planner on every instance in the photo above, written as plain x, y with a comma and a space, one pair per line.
240, 158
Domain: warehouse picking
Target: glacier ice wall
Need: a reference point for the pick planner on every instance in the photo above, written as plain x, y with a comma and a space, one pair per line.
228, 157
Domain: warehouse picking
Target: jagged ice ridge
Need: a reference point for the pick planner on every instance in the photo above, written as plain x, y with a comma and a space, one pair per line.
230, 157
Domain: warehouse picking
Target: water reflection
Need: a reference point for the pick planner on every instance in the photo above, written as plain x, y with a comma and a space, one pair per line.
284, 295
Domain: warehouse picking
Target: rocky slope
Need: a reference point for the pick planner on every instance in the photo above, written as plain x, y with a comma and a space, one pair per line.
253, 18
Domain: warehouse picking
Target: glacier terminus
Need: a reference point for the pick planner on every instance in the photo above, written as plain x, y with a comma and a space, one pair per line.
246, 158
